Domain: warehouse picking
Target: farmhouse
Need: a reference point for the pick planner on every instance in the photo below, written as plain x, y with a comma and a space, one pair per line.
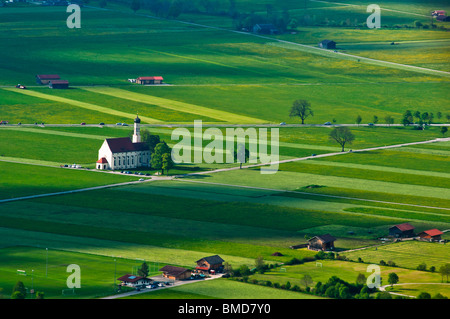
443, 18
402, 231
175, 273
327, 44
438, 13
133, 281
323, 242
149, 80
209, 264
124, 153
431, 235
43, 79
265, 29
58, 84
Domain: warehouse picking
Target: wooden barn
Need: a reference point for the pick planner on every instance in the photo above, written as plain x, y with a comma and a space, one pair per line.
322, 242
44, 79
431, 235
58, 84
404, 230
146, 80
175, 273
209, 264
327, 44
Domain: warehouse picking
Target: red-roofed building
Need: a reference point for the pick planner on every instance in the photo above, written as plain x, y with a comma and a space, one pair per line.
149, 80
133, 280
431, 235
44, 79
124, 153
438, 13
402, 230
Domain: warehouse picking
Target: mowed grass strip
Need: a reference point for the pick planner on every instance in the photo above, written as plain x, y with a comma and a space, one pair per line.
408, 254
176, 105
85, 105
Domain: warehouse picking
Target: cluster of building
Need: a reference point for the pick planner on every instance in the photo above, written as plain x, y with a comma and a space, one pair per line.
53, 81
440, 15
406, 230
148, 80
207, 265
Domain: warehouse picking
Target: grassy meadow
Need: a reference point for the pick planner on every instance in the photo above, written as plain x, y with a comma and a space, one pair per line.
215, 74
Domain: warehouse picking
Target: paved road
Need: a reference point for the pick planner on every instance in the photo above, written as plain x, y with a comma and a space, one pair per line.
176, 284
154, 178
383, 288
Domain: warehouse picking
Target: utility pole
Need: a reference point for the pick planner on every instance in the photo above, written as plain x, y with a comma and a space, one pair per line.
46, 262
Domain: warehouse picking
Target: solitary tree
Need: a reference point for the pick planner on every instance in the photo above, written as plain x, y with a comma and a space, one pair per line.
306, 280
260, 265
241, 155
358, 119
375, 119
342, 135
301, 109
393, 278
167, 162
389, 120
19, 291
444, 130
143, 271
157, 156
444, 270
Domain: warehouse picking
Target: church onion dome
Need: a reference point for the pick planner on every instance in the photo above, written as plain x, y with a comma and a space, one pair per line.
137, 119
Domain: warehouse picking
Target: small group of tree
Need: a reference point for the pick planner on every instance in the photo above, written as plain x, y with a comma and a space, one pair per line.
20, 292
389, 263
426, 295
162, 158
161, 153
444, 270
340, 289
419, 118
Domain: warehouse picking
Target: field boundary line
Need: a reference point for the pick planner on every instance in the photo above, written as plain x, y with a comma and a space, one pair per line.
174, 105
312, 194
85, 105
307, 48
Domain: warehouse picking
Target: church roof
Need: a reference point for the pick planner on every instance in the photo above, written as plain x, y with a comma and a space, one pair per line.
102, 161
124, 144
137, 119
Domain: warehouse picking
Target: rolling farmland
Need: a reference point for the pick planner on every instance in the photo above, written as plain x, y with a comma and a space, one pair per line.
224, 77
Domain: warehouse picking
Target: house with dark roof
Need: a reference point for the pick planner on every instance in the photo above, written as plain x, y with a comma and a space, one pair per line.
265, 29
404, 230
443, 18
58, 84
322, 242
209, 264
175, 273
146, 80
44, 79
327, 44
134, 281
431, 235
124, 153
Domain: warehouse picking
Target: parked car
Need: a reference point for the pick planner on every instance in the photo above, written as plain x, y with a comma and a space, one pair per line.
283, 123
101, 123
20, 86
124, 124
118, 123
327, 123
141, 179
371, 124
83, 123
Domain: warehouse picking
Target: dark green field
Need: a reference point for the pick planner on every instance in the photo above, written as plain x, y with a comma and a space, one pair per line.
220, 75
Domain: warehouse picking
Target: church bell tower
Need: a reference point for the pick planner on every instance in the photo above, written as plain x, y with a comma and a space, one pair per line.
137, 130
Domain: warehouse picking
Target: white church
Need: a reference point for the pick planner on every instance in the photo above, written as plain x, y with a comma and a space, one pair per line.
124, 153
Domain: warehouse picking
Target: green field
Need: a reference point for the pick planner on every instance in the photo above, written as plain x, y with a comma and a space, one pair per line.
222, 76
